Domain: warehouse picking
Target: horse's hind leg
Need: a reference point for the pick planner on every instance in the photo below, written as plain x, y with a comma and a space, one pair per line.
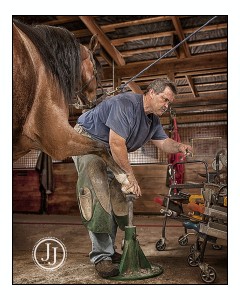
103, 153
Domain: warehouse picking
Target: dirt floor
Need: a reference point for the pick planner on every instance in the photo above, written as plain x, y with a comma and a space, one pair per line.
77, 269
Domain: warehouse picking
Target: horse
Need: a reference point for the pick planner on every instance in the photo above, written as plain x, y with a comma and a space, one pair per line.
49, 66
49, 69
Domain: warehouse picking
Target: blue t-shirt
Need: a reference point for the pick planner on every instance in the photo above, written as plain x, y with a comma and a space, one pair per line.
124, 114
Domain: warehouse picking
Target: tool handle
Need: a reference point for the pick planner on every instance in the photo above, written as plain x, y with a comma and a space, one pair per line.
129, 199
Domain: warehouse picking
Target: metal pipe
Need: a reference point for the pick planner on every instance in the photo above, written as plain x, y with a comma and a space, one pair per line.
130, 198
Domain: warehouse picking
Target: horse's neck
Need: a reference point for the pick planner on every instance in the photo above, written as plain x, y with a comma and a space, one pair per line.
22, 38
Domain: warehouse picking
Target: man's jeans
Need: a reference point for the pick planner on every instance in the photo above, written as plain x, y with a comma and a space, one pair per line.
102, 244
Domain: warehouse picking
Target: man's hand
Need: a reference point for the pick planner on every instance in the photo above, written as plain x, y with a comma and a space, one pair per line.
185, 149
133, 186
129, 184
170, 146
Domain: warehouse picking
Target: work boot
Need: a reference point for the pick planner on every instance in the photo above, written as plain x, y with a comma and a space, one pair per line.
116, 257
106, 268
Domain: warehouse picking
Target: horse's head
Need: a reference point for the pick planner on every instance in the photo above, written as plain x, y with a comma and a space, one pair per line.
89, 75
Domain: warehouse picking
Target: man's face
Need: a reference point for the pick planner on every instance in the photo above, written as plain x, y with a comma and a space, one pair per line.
161, 101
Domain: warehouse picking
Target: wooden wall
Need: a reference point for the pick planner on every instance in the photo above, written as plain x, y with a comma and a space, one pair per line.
151, 178
63, 200
152, 181
26, 192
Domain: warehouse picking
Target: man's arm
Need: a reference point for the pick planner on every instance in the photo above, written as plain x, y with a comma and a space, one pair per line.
170, 146
120, 155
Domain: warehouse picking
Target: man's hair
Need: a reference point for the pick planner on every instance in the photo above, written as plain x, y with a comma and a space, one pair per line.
159, 85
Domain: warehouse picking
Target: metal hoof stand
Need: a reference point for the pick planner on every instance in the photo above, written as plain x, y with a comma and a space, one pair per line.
134, 264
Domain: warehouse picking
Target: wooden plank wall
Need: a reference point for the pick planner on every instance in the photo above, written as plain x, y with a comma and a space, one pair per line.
152, 181
151, 178
26, 193
63, 200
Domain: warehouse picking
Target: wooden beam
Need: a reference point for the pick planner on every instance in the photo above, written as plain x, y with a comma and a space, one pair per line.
207, 28
195, 63
135, 88
170, 76
107, 45
103, 39
187, 53
121, 41
106, 57
113, 27
208, 42
204, 73
150, 49
192, 87
178, 28
61, 20
211, 98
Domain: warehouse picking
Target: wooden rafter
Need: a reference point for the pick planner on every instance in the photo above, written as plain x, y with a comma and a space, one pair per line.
194, 63
103, 39
107, 45
186, 51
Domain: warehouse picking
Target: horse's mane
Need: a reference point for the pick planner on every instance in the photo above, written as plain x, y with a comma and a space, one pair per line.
60, 53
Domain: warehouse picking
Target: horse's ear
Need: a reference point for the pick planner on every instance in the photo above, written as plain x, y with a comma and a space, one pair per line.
93, 43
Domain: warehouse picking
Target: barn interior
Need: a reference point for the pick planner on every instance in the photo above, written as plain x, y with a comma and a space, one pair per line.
44, 189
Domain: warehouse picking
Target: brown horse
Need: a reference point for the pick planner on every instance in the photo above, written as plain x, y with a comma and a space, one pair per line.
48, 67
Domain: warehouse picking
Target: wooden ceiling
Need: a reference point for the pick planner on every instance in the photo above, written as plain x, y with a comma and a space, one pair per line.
129, 44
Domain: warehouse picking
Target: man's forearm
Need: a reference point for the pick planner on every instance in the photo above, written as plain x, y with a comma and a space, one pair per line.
129, 183
120, 156
119, 152
170, 146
